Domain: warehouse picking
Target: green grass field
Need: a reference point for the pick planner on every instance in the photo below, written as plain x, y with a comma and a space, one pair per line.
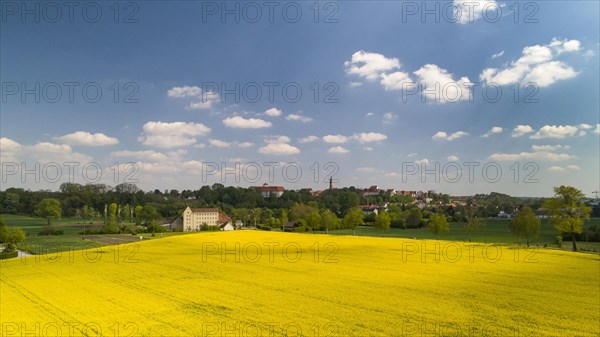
493, 231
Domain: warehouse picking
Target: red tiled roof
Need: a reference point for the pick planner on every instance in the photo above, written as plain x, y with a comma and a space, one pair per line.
224, 218
204, 210
270, 188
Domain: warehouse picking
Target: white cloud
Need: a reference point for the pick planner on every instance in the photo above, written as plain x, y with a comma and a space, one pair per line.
541, 155
245, 144
563, 169
493, 131
441, 135
299, 118
422, 161
308, 139
500, 54
395, 80
367, 137
185, 91
441, 85
246, 123
548, 73
201, 101
453, 158
414, 154
564, 46
536, 65
338, 150
369, 114
200, 145
597, 129
468, 11
355, 84
388, 117
549, 147
9, 150
278, 145
46, 151
521, 130
206, 101
336, 139
557, 132
370, 65
273, 112
218, 143
224, 144
146, 155
584, 126
175, 134
84, 138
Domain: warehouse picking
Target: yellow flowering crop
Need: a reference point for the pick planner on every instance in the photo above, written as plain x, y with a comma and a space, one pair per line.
248, 283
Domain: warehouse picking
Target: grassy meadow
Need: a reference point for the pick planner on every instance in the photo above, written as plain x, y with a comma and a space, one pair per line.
249, 283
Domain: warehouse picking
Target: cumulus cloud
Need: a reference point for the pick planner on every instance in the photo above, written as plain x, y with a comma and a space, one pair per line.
493, 131
423, 161
199, 100
500, 54
468, 11
273, 112
388, 117
367, 137
40, 152
336, 139
184, 91
308, 139
175, 134
355, 84
278, 145
537, 64
554, 131
521, 130
549, 147
442, 135
298, 118
563, 169
225, 144
84, 138
395, 81
541, 155
338, 150
246, 123
445, 88
370, 65
453, 158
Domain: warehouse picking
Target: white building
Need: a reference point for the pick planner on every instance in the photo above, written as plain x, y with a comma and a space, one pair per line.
194, 218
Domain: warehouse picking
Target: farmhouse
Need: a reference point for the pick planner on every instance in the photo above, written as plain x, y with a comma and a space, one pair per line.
194, 218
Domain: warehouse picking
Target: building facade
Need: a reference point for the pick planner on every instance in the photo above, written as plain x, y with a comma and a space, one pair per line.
194, 218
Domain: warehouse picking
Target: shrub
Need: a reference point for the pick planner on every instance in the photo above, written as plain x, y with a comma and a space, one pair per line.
4, 256
50, 231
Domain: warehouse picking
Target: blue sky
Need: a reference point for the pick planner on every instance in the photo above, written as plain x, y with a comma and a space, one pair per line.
374, 61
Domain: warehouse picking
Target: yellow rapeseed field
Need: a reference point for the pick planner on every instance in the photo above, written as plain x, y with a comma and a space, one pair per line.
247, 283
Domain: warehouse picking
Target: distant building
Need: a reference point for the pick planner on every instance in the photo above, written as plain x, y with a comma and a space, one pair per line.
289, 226
371, 191
369, 209
194, 218
227, 227
267, 190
